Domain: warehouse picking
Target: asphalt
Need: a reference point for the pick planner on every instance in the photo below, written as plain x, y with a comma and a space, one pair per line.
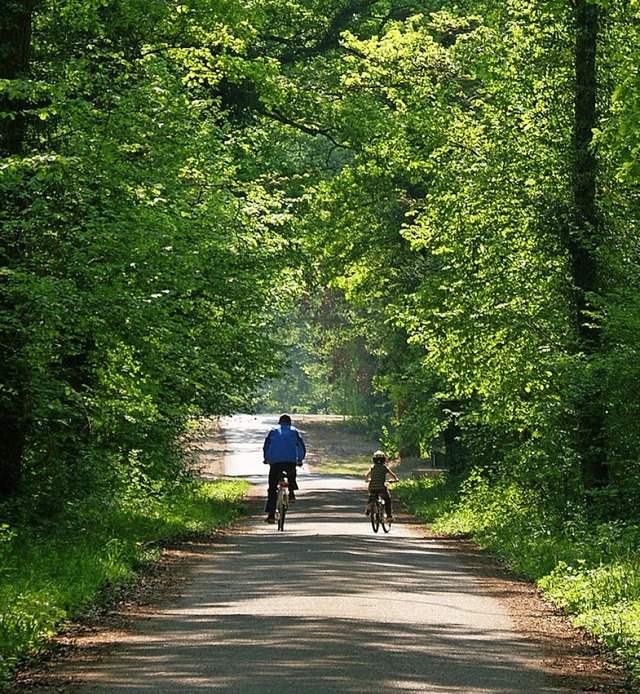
324, 607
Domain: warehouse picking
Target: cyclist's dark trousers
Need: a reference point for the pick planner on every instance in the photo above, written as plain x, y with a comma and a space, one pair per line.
384, 493
275, 470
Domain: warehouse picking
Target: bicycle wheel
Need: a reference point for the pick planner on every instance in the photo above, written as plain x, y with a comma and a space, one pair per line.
282, 509
375, 516
386, 526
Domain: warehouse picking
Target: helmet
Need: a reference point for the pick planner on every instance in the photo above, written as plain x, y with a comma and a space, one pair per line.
284, 419
379, 456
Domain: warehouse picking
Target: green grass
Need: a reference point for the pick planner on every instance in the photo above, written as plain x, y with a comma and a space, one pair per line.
591, 570
428, 498
50, 574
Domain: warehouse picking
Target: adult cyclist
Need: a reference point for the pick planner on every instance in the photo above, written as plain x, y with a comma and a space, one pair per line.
284, 449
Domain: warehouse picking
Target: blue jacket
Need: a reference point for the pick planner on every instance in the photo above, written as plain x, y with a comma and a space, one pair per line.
284, 444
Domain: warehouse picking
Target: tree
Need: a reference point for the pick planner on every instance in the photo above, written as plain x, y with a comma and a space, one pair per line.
142, 247
585, 238
15, 35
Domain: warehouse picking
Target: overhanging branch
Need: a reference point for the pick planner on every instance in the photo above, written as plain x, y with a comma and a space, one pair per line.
313, 130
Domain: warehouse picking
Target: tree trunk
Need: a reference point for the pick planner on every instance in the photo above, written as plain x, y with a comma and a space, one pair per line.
15, 38
451, 437
15, 42
585, 238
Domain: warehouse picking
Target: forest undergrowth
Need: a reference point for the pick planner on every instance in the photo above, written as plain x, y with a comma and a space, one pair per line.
590, 568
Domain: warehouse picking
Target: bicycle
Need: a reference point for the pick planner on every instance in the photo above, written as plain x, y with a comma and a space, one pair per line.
378, 515
282, 503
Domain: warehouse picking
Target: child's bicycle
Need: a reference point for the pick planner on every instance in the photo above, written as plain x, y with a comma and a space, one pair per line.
282, 503
378, 514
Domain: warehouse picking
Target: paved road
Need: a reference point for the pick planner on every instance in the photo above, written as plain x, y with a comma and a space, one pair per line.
324, 607
244, 436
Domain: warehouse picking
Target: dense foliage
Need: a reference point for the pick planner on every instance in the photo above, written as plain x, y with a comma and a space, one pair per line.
432, 204
478, 216
143, 257
139, 249
476, 228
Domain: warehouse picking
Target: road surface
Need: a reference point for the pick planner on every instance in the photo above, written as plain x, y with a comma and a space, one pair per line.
324, 607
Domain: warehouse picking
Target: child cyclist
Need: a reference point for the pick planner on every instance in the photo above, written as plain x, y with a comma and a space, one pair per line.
377, 477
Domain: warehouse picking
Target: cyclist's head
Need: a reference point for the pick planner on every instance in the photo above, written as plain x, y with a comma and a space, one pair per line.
284, 419
379, 457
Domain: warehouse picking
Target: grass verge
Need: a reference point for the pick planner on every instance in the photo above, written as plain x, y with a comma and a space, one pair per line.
50, 574
590, 569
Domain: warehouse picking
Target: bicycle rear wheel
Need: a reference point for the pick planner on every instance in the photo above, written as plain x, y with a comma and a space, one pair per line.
282, 510
281, 518
375, 517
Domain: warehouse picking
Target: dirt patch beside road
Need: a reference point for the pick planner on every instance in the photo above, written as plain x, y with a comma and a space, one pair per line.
332, 442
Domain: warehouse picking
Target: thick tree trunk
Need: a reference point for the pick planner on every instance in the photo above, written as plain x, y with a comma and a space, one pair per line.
15, 38
586, 236
451, 437
11, 447
15, 42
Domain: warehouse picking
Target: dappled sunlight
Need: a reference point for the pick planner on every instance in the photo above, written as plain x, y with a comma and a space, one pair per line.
326, 606
315, 655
